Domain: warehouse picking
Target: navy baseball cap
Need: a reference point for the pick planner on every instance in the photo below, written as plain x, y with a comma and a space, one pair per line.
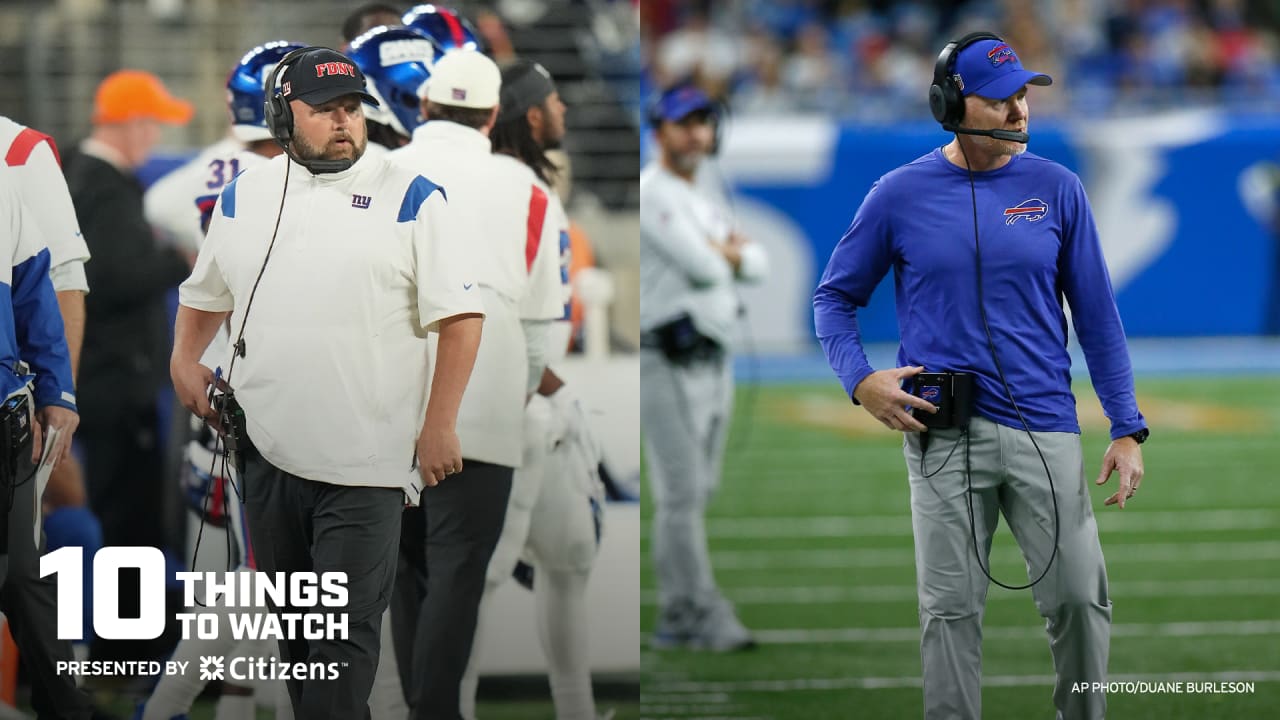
991, 69
320, 75
680, 102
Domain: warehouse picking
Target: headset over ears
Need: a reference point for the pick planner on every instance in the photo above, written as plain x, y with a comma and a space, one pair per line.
946, 97
278, 114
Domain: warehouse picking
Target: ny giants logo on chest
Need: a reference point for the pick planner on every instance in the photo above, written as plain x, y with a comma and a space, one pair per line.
361, 201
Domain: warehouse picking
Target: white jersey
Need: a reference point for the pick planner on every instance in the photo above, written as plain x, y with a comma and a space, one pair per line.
334, 379
514, 232
169, 203
680, 271
204, 196
37, 176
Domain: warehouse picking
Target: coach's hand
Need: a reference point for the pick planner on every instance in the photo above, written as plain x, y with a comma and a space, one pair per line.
191, 383
882, 395
439, 452
47, 418
1125, 457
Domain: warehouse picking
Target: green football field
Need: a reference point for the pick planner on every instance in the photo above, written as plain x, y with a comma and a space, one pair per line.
810, 536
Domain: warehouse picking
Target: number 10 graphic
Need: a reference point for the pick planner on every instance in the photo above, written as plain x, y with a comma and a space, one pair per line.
67, 564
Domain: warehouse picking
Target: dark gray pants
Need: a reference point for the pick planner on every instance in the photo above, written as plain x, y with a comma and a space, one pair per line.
462, 520
299, 525
30, 604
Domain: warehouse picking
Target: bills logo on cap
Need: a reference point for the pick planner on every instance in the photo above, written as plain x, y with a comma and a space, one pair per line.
1001, 54
932, 393
458, 94
1033, 210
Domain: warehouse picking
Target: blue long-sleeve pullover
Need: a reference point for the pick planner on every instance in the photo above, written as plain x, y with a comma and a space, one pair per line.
1039, 246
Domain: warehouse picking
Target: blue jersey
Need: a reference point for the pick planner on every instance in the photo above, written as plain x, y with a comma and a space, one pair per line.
1039, 247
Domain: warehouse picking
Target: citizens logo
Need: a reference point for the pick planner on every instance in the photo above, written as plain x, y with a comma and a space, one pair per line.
211, 668
269, 668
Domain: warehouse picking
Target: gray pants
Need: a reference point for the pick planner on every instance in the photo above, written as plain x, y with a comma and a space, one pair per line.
299, 525
29, 602
1007, 476
684, 415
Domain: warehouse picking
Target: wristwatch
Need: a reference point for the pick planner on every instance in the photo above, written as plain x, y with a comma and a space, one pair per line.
1140, 436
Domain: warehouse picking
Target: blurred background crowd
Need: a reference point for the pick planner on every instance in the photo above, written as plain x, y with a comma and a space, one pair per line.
870, 59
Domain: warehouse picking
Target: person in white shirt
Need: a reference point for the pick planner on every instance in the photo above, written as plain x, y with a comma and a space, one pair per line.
335, 268
519, 281
33, 158
37, 381
210, 485
690, 262
555, 514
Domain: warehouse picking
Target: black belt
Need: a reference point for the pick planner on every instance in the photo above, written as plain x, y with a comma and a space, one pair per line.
702, 350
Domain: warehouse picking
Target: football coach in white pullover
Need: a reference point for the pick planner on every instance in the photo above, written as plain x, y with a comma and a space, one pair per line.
519, 277
334, 267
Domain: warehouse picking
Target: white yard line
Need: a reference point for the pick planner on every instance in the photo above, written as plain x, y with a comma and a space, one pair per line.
675, 707
900, 525
881, 683
656, 698
678, 713
827, 636
1144, 553
819, 595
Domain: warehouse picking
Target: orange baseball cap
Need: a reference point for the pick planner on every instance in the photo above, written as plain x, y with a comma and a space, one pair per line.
128, 94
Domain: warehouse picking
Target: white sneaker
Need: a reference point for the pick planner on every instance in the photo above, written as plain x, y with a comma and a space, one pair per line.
719, 630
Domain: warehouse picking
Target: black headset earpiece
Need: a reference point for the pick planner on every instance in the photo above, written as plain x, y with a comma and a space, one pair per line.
946, 98
278, 114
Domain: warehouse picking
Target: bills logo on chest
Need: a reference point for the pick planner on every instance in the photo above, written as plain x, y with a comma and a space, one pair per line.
1032, 210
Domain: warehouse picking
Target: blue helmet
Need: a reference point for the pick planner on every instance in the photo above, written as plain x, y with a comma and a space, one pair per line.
396, 62
245, 95
446, 27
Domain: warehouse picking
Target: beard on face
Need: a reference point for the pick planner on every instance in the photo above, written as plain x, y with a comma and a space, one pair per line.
685, 162
351, 150
548, 139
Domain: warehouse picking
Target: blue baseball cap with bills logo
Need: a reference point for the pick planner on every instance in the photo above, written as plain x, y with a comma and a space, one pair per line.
991, 69
680, 102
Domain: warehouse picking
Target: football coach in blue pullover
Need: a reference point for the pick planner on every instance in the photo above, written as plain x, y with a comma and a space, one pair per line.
986, 241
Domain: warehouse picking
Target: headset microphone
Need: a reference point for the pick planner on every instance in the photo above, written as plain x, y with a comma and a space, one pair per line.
320, 167
1007, 135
